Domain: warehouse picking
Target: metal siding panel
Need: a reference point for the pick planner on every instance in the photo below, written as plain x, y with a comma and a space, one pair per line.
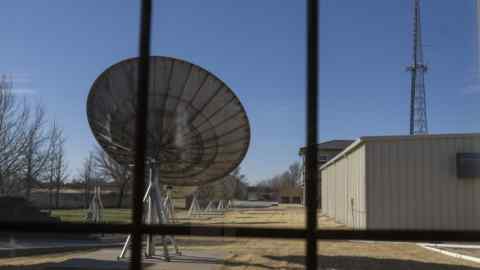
459, 194
324, 183
330, 183
465, 186
327, 180
369, 189
370, 185
389, 183
340, 191
381, 185
352, 180
420, 169
348, 176
373, 209
342, 182
446, 187
476, 191
356, 183
470, 186
335, 188
441, 188
416, 184
403, 185
344, 190
326, 192
410, 184
429, 187
362, 189
435, 210
395, 182
451, 187
322, 191
332, 192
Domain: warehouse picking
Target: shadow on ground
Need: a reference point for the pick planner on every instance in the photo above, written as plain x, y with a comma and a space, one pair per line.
293, 263
364, 263
73, 264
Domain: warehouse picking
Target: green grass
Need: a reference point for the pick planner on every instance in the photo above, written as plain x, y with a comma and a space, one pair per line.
109, 215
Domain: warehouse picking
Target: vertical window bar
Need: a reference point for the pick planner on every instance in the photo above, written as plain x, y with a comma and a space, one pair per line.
311, 167
140, 133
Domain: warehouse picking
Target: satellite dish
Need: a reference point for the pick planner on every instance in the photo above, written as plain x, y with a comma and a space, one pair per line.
197, 129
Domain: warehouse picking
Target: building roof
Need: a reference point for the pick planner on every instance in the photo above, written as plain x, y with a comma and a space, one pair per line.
329, 145
360, 141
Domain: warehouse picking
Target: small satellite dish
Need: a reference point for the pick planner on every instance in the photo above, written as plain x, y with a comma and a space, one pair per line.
197, 129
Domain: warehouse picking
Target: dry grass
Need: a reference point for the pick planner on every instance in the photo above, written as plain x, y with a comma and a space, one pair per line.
256, 254
283, 216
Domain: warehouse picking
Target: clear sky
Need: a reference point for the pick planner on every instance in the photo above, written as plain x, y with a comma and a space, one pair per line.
55, 49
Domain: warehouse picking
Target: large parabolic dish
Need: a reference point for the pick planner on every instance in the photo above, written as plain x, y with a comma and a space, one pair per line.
197, 132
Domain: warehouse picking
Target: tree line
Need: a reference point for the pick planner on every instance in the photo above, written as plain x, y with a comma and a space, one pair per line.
32, 151
290, 178
32, 155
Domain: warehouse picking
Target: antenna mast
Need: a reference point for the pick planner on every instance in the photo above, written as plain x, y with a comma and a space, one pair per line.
418, 103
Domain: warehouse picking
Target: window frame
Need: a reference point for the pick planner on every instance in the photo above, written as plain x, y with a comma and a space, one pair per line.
310, 234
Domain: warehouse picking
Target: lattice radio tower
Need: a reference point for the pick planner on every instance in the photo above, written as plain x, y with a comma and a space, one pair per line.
418, 103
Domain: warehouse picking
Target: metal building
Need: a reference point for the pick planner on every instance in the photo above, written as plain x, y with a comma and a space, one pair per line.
427, 182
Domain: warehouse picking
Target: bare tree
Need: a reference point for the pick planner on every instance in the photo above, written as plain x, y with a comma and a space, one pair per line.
111, 170
294, 174
57, 165
14, 116
235, 185
39, 148
88, 176
232, 186
288, 179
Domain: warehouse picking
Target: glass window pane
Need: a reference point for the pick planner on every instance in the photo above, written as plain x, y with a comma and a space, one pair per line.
398, 81
51, 167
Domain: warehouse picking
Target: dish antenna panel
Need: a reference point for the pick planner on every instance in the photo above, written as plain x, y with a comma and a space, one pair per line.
197, 129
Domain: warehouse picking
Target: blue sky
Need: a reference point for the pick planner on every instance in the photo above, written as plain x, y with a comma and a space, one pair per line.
55, 50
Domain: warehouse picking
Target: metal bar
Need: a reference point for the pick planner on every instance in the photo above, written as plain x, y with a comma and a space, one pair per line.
311, 180
248, 232
140, 133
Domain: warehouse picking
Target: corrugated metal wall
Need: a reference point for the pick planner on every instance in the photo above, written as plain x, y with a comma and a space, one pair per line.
412, 184
343, 189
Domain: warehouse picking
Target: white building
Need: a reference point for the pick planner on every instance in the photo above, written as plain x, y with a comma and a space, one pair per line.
427, 182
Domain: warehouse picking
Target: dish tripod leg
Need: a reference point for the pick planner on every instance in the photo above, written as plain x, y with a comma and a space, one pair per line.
155, 205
